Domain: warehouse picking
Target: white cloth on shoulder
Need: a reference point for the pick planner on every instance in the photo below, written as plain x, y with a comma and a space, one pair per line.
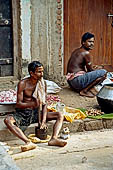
40, 91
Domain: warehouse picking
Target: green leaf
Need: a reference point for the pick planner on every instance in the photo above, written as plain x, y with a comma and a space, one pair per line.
105, 116
82, 109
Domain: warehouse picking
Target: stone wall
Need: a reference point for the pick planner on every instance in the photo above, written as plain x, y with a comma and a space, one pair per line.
41, 38
47, 36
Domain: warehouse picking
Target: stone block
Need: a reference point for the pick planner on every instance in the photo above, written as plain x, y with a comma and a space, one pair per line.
59, 17
93, 125
107, 123
7, 107
59, 6
76, 126
58, 1
59, 11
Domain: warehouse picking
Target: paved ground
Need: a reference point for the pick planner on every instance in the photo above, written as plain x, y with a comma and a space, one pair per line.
85, 151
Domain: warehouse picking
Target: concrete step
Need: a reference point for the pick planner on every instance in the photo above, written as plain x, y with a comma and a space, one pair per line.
77, 126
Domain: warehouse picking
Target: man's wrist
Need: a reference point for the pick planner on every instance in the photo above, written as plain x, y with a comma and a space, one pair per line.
43, 121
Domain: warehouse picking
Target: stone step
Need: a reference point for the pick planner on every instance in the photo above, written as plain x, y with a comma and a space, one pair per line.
77, 126
4, 108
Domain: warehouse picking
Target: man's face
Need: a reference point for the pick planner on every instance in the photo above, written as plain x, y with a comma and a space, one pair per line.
38, 74
89, 43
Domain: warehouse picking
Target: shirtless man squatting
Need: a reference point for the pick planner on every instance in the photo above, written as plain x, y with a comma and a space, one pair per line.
27, 110
80, 73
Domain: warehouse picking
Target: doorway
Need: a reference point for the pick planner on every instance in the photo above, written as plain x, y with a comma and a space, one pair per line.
8, 38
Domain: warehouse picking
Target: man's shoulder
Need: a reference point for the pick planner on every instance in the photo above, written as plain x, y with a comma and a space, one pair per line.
83, 53
75, 51
23, 82
79, 51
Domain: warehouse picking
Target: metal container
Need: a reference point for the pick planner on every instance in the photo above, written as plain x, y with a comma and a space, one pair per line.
105, 98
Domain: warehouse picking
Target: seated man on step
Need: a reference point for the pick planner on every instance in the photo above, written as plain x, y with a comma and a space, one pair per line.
31, 95
80, 74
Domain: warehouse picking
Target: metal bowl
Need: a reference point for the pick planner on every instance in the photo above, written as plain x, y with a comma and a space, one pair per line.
105, 98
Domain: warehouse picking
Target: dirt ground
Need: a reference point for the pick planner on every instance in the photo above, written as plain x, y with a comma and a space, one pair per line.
73, 99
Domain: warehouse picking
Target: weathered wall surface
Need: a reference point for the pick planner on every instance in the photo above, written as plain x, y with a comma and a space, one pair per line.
42, 36
25, 17
47, 36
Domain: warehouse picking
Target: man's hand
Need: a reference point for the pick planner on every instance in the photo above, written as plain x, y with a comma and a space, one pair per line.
95, 67
35, 103
43, 126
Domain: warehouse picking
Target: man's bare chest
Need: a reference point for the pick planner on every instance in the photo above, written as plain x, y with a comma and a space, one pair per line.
29, 90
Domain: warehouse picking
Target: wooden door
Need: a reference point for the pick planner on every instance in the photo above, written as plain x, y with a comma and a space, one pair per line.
82, 16
6, 41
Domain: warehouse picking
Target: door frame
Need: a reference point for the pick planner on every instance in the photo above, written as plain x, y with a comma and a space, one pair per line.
16, 43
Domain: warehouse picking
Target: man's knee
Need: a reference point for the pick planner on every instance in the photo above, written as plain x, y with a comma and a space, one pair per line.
7, 120
104, 72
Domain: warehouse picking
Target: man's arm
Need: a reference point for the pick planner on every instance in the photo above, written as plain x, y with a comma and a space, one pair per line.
44, 114
20, 103
88, 62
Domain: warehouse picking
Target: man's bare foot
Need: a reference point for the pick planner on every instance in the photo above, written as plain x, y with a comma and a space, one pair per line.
87, 94
93, 91
56, 142
28, 147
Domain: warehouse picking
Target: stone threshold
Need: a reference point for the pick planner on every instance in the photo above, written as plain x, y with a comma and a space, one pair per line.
74, 127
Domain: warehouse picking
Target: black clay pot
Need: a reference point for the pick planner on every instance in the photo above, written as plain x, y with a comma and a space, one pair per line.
105, 98
40, 133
